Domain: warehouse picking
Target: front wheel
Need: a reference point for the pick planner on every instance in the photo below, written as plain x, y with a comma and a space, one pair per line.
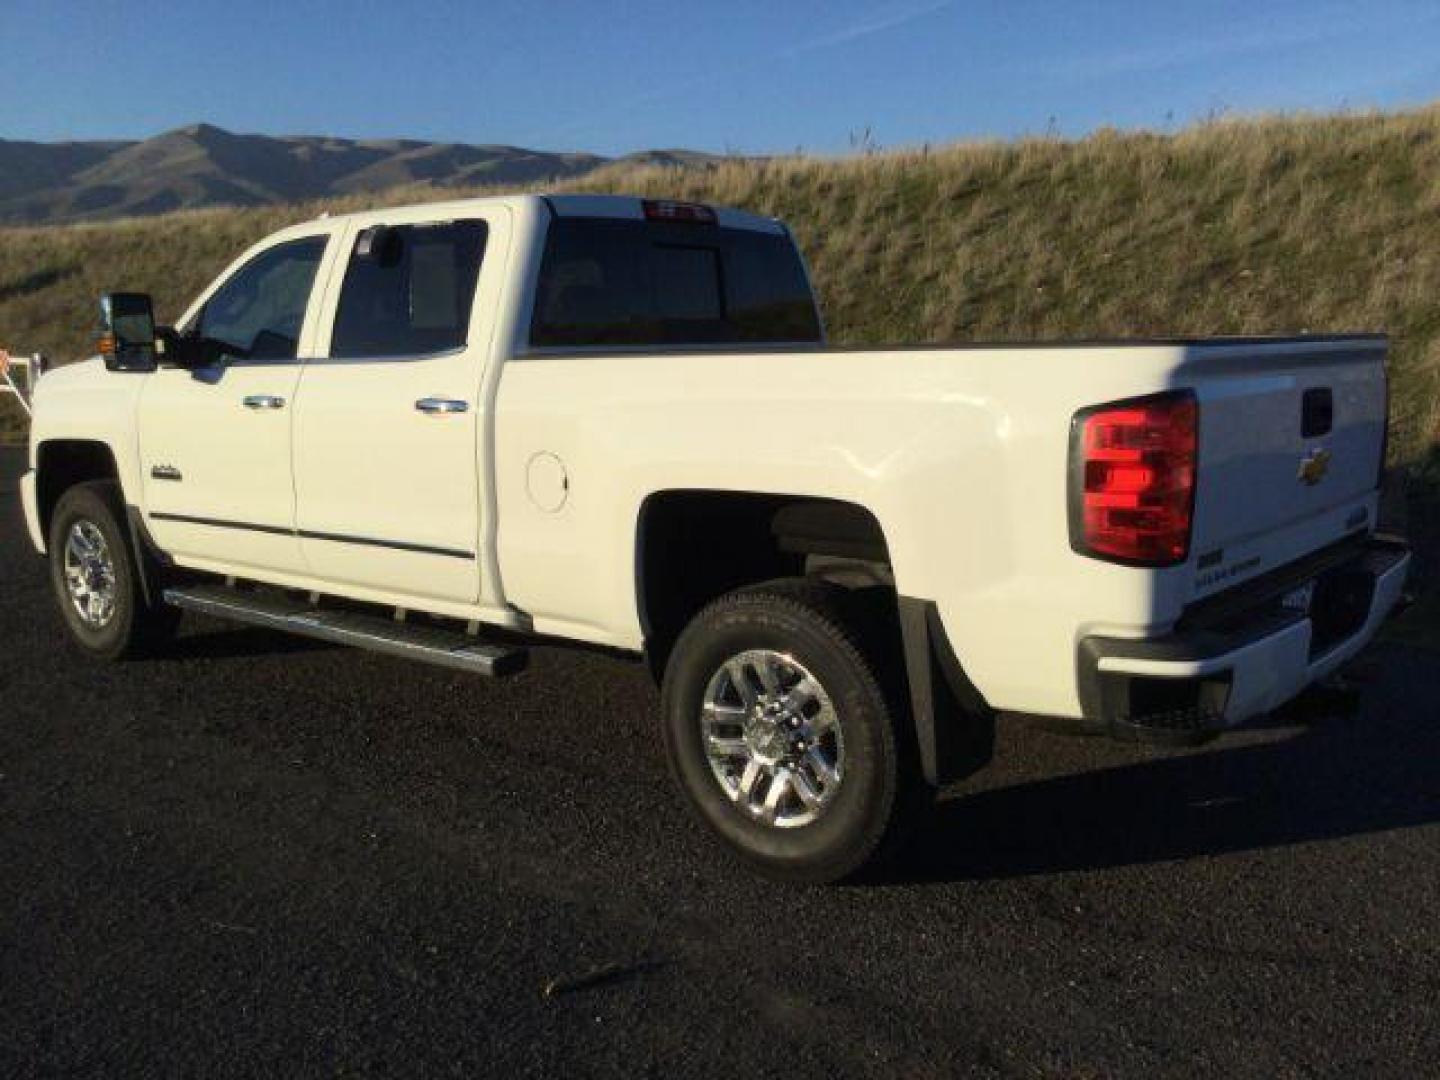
94, 577
781, 735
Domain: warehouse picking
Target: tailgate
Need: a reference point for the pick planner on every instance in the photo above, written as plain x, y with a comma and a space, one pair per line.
1291, 437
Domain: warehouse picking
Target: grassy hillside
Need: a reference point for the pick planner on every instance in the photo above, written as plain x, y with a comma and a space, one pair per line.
1272, 225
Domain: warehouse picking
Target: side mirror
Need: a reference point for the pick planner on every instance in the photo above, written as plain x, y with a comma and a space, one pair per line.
186, 351
127, 332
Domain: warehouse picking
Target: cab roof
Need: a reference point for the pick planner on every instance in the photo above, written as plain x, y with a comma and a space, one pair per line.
631, 207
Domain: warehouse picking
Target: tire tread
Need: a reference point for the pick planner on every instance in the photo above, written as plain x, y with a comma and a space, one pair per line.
149, 627
836, 613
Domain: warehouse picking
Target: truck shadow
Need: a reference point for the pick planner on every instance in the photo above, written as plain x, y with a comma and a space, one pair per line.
1374, 772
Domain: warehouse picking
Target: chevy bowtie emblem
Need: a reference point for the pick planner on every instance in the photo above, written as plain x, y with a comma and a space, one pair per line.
1314, 466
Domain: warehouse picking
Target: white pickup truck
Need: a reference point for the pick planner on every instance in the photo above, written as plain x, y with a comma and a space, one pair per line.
446, 431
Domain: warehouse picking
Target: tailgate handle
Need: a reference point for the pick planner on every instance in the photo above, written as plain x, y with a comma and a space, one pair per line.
1317, 412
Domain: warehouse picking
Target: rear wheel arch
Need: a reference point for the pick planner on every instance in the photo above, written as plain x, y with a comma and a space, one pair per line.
694, 545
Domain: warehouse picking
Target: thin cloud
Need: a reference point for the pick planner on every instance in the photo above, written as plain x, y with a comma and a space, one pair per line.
875, 23
887, 18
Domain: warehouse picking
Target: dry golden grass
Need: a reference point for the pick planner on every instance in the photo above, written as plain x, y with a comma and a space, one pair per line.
1270, 225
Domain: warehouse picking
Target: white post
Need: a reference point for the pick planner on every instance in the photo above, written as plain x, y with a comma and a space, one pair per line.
31, 365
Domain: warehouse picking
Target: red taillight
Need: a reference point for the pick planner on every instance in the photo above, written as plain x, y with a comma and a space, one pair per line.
1132, 482
666, 210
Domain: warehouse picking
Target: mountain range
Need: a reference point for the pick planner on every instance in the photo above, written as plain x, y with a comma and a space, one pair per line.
203, 165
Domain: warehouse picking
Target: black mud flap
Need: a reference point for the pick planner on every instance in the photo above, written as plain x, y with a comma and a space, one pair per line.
150, 561
954, 726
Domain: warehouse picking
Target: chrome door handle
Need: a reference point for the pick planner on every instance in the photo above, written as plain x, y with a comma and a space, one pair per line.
441, 406
264, 401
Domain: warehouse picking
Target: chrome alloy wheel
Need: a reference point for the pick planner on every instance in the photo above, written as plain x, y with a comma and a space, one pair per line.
772, 738
90, 574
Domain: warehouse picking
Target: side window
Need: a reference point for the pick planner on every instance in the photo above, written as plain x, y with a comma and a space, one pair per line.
408, 290
258, 312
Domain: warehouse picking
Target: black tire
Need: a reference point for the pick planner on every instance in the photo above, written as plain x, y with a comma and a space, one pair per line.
881, 791
134, 628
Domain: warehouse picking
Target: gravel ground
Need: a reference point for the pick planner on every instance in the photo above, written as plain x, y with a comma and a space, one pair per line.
260, 856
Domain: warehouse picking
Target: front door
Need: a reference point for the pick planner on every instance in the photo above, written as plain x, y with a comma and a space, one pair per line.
387, 419
215, 442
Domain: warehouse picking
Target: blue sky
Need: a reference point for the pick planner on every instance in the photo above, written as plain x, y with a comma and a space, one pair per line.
745, 76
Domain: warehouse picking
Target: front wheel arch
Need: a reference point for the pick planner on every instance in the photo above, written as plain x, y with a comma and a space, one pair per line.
60, 464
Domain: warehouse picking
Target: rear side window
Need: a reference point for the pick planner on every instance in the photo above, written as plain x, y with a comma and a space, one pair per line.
606, 281
408, 290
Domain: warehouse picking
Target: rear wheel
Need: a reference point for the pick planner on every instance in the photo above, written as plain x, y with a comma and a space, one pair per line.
94, 576
781, 734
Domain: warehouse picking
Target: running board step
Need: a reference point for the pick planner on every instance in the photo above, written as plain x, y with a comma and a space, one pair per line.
275, 611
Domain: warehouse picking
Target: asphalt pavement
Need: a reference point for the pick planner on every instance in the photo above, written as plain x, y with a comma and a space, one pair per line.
262, 856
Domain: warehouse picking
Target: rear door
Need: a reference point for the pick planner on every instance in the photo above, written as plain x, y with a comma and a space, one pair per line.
387, 421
